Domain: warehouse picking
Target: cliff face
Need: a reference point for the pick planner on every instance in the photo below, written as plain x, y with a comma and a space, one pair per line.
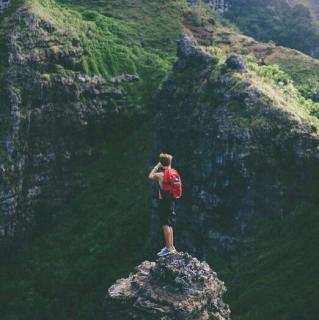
242, 152
174, 287
220, 6
4, 5
50, 116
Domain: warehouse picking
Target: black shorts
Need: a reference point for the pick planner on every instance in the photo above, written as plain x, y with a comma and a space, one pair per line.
166, 208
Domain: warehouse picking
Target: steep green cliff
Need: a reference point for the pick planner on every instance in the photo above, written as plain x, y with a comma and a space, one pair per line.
67, 74
250, 158
91, 92
75, 144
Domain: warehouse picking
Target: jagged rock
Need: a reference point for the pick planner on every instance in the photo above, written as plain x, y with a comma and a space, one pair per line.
186, 46
174, 287
220, 6
124, 77
4, 5
235, 62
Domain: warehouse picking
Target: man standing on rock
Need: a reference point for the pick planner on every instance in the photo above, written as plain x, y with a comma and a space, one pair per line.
170, 190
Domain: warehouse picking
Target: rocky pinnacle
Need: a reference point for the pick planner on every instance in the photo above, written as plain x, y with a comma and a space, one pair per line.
174, 287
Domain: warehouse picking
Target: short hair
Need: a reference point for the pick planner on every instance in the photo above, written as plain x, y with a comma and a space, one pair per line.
165, 159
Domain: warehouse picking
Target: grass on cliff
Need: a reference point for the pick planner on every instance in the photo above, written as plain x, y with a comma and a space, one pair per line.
303, 70
113, 46
287, 80
156, 24
278, 84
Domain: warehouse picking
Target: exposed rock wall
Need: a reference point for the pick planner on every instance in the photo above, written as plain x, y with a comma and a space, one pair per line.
50, 113
241, 154
4, 5
174, 287
220, 6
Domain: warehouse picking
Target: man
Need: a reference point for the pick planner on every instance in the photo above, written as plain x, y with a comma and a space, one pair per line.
170, 190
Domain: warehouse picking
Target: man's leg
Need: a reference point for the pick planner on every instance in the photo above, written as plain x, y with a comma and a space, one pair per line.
171, 236
167, 236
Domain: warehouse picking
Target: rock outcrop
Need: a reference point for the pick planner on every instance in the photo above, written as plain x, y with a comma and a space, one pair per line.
241, 151
174, 287
4, 5
220, 6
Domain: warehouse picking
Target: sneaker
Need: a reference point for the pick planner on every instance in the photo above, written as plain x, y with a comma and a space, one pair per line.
174, 249
165, 252
162, 250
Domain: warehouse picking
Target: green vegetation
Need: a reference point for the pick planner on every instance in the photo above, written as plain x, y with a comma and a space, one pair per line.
274, 75
113, 46
155, 25
199, 15
217, 52
276, 21
279, 279
303, 70
313, 5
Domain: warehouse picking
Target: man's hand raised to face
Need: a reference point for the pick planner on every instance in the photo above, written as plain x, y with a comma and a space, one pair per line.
153, 174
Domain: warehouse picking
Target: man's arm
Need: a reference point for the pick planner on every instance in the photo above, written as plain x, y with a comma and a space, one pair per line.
153, 174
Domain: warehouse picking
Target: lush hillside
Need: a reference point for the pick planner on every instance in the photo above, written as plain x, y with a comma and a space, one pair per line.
287, 25
312, 4
302, 69
81, 117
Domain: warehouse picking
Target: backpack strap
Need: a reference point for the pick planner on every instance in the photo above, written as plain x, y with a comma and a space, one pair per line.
166, 176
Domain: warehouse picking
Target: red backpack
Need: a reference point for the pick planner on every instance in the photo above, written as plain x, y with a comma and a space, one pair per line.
172, 183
